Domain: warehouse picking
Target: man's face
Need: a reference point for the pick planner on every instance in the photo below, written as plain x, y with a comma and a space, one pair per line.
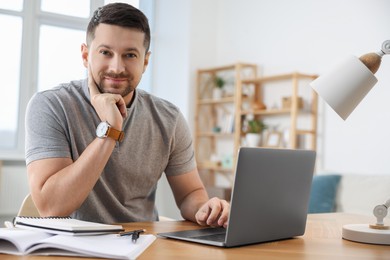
117, 59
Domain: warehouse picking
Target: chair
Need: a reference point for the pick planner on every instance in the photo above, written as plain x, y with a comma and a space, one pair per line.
163, 218
28, 208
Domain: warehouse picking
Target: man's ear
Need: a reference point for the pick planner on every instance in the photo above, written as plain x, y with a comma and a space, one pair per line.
146, 61
84, 54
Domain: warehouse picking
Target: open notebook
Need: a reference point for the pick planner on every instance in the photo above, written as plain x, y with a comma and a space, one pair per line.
65, 226
17, 241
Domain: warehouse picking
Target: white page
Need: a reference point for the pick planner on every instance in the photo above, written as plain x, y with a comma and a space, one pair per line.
105, 246
21, 238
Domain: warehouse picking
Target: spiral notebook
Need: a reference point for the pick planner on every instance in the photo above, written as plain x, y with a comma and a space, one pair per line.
65, 226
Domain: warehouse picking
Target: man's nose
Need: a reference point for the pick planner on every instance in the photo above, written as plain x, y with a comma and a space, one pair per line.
117, 65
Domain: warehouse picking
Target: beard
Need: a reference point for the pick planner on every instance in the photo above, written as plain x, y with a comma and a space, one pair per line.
105, 88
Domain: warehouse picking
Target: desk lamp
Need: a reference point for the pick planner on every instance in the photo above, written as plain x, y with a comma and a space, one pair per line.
343, 88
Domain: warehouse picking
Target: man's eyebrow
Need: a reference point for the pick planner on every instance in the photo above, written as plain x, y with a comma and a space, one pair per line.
109, 47
132, 49
104, 46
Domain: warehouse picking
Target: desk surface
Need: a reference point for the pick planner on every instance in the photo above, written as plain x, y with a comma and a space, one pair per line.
322, 240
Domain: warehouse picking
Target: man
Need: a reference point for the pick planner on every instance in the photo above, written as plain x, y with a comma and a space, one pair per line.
75, 169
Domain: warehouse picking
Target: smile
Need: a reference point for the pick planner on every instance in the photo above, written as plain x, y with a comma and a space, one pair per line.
115, 80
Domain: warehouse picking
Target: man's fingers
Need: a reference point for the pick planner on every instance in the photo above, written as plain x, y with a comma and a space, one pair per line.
120, 103
202, 215
214, 212
223, 220
216, 209
219, 214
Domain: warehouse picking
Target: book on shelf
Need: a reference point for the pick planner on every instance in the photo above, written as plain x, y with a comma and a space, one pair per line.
65, 226
16, 241
228, 125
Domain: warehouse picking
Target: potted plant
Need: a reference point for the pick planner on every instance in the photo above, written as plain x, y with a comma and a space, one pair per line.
255, 128
219, 83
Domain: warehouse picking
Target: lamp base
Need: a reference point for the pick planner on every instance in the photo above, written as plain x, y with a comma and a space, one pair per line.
364, 234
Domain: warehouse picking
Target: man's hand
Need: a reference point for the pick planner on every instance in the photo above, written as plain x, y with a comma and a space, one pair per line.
109, 107
214, 213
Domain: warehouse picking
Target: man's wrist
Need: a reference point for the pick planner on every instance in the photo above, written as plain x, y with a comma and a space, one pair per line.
104, 129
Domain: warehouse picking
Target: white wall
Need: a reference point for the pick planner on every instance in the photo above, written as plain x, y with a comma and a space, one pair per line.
185, 40
282, 36
311, 36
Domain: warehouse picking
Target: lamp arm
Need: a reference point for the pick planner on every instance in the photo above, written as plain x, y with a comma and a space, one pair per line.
385, 47
373, 60
380, 212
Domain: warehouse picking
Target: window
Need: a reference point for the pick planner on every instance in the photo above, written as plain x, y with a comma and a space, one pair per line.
15, 5
67, 7
9, 87
63, 53
34, 39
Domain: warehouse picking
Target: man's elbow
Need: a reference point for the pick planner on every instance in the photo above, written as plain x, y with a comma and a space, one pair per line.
49, 209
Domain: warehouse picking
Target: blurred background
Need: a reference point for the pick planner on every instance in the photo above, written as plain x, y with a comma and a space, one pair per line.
41, 48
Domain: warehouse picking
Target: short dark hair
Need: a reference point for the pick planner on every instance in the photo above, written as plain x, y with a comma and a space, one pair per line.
120, 14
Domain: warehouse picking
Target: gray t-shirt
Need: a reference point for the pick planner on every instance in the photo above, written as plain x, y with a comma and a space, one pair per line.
61, 122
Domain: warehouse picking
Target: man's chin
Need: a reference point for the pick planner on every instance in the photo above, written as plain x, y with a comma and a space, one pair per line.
122, 92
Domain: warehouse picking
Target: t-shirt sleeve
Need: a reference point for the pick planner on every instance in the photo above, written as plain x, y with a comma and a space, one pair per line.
182, 156
45, 134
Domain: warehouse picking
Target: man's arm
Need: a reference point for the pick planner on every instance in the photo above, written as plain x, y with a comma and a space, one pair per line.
59, 186
194, 204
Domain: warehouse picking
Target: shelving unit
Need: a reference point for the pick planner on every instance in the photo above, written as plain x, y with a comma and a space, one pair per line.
219, 120
293, 111
215, 120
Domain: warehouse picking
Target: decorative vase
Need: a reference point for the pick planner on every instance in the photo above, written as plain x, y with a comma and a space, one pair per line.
217, 93
253, 139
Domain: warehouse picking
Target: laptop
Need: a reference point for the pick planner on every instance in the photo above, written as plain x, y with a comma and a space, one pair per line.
269, 199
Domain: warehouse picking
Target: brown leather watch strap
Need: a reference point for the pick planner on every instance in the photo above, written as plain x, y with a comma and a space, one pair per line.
115, 134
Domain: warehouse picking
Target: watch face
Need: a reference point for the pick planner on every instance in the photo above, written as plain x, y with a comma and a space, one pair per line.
101, 130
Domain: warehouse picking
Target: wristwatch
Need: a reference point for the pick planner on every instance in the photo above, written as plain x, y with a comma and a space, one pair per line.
104, 129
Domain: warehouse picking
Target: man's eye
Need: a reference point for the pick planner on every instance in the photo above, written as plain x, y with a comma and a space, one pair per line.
104, 52
131, 55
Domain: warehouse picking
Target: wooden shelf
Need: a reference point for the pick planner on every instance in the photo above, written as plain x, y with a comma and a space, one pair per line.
279, 78
210, 101
212, 134
273, 112
267, 112
216, 169
305, 132
228, 67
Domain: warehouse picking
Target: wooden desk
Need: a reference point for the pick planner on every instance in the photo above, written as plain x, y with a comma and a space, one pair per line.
322, 240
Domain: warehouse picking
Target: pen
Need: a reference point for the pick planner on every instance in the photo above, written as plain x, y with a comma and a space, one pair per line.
134, 234
134, 237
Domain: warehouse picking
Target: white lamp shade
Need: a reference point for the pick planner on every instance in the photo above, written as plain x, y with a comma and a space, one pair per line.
345, 85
